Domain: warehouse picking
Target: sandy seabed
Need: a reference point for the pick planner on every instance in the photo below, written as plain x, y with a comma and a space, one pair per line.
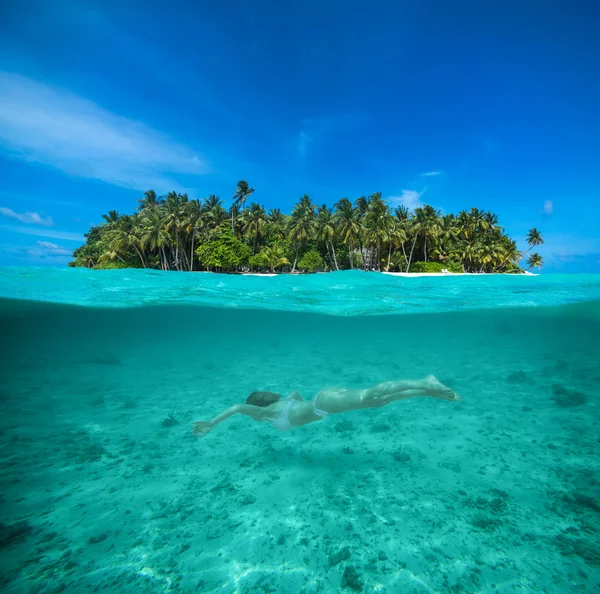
104, 488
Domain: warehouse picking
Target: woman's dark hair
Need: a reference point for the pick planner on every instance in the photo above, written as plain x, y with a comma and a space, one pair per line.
262, 398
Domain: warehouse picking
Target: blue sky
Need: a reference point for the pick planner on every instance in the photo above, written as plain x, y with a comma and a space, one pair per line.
455, 104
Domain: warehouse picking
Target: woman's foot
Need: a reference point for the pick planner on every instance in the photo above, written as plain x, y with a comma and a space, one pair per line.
436, 389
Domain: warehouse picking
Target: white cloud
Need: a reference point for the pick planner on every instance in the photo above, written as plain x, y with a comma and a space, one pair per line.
431, 174
408, 198
51, 249
27, 217
69, 236
55, 127
548, 207
47, 244
43, 250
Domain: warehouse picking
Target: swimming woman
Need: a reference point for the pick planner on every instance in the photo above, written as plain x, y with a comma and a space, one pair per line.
294, 411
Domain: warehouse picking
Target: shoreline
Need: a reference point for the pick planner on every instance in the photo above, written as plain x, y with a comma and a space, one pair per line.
401, 274
408, 274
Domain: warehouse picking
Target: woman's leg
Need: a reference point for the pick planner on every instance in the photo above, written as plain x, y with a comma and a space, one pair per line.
390, 391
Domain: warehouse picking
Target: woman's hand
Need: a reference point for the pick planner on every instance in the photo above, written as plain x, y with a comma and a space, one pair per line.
201, 428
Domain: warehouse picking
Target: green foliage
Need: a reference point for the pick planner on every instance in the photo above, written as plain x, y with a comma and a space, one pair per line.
397, 262
258, 260
223, 252
427, 267
311, 261
118, 264
453, 266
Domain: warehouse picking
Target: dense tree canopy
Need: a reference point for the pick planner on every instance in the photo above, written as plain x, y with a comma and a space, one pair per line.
174, 232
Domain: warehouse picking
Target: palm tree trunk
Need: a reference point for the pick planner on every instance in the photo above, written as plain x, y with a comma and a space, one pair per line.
328, 253
425, 247
405, 259
295, 258
176, 250
351, 254
140, 255
184, 253
389, 257
411, 253
192, 251
334, 258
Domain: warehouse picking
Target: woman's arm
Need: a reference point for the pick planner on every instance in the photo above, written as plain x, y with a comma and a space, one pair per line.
201, 428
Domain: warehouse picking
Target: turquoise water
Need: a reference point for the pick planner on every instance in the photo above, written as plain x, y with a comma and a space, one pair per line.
104, 488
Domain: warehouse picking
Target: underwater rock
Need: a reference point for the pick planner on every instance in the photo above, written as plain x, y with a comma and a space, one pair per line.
97, 539
341, 555
13, 533
580, 547
170, 421
486, 523
92, 453
566, 398
519, 377
248, 500
401, 457
344, 426
351, 579
583, 500
380, 428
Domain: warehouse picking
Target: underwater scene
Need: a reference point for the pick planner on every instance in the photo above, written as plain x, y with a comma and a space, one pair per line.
104, 487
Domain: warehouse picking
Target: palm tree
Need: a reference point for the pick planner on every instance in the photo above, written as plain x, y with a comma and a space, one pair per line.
478, 221
378, 223
111, 217
534, 238
535, 261
348, 224
428, 223
400, 230
124, 234
274, 257
278, 222
155, 235
193, 222
396, 238
174, 210
325, 231
149, 201
242, 192
214, 212
254, 222
362, 204
489, 252
302, 224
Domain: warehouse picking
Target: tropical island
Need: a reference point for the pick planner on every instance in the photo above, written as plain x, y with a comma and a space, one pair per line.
174, 232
